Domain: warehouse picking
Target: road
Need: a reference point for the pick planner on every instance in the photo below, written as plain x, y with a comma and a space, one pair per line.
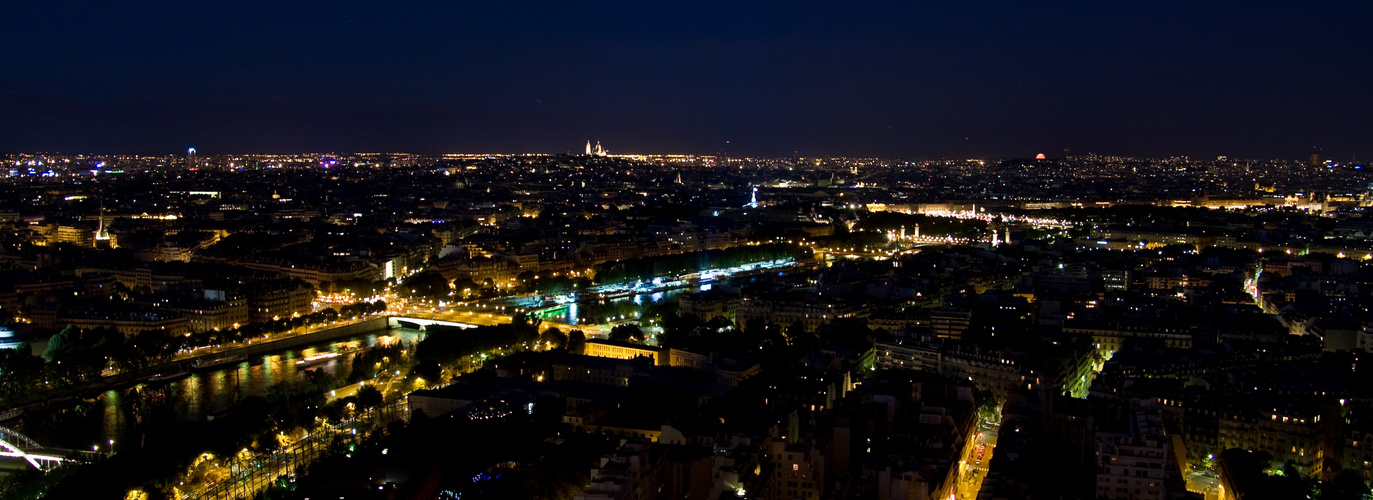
250, 475
976, 469
1206, 485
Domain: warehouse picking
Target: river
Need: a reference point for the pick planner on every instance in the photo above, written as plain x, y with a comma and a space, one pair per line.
101, 419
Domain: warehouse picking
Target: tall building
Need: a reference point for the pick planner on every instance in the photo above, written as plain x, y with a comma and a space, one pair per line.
191, 161
1316, 158
1133, 459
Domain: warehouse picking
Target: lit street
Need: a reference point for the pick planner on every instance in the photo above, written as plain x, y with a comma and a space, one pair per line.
976, 468
1203, 482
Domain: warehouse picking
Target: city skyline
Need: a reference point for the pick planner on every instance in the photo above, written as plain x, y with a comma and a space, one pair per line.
1311, 156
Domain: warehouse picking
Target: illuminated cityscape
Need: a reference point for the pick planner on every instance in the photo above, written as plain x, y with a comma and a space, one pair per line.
651, 252
757, 327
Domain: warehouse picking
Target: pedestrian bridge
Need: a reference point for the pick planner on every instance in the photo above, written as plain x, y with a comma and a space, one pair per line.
15, 445
421, 323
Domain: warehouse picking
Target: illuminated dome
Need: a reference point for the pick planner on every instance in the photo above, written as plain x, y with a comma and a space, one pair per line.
1040, 156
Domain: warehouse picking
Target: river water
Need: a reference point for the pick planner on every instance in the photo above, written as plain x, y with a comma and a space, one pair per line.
108, 416
97, 421
592, 311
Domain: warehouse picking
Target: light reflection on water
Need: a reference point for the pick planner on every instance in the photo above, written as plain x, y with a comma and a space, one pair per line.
619, 306
212, 391
113, 420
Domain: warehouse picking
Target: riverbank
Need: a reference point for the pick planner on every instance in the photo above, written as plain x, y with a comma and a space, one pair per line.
201, 362
222, 357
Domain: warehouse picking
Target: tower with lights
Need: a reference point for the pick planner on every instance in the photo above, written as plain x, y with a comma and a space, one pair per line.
102, 233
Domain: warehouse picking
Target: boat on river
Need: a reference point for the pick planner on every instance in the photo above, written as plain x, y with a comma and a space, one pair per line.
168, 376
211, 362
317, 359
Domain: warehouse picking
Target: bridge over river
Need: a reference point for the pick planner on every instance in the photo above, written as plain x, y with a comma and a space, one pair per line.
16, 449
417, 323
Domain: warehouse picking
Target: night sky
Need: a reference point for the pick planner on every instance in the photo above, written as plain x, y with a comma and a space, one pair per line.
957, 79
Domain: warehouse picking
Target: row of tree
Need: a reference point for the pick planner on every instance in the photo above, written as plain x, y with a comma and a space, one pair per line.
549, 282
359, 309
447, 346
646, 268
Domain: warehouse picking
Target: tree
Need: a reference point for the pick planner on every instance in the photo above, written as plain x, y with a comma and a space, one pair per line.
627, 333
526, 327
576, 342
988, 407
425, 285
548, 411
759, 334
63, 343
464, 286
1177, 250
266, 441
1347, 485
369, 397
20, 372
149, 347
359, 308
82, 353
555, 337
678, 328
328, 315
645, 268
798, 336
361, 288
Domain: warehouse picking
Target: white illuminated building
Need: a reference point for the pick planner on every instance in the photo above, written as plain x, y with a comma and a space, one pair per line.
596, 151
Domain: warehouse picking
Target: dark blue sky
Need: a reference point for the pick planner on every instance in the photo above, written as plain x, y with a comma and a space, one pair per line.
960, 79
